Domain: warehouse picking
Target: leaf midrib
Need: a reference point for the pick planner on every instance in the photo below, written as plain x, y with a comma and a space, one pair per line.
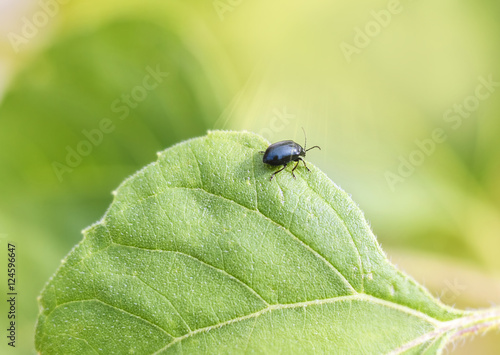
271, 308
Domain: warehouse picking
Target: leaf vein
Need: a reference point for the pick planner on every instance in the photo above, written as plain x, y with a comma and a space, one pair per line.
348, 231
281, 307
316, 253
117, 308
204, 263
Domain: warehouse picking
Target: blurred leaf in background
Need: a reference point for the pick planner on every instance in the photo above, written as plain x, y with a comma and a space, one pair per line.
269, 67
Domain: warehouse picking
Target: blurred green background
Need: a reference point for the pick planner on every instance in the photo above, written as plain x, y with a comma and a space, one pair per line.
370, 82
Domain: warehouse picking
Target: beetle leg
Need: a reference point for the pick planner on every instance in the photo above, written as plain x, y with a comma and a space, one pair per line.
304, 164
295, 167
261, 152
272, 175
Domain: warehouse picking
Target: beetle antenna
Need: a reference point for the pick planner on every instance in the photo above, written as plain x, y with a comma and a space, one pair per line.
316, 146
305, 142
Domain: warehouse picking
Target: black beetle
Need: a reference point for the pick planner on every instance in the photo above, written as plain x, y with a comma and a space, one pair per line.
284, 152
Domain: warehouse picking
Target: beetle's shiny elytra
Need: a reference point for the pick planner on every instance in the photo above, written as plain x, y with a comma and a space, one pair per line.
284, 152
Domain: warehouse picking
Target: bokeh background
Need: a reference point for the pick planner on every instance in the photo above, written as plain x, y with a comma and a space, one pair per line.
370, 81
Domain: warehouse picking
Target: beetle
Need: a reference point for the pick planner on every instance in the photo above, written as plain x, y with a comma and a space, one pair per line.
284, 152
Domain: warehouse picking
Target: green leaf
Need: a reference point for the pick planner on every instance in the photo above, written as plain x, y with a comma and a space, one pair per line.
201, 253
